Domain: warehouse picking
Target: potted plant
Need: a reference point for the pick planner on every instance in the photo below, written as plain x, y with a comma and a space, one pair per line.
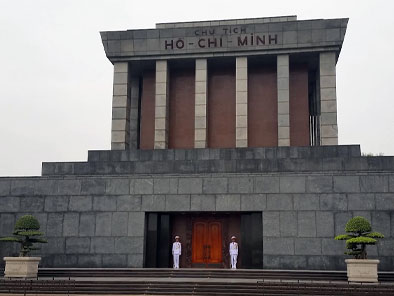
26, 233
359, 235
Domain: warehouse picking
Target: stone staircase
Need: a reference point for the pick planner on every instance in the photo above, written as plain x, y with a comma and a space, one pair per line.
194, 282
237, 160
315, 275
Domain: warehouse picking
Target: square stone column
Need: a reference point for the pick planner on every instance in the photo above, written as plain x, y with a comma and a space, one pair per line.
241, 99
328, 99
200, 103
120, 133
161, 105
283, 100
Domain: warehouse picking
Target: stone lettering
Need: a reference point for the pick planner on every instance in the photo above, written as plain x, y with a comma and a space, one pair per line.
201, 43
272, 39
212, 42
169, 44
243, 42
204, 32
180, 44
233, 30
217, 41
260, 40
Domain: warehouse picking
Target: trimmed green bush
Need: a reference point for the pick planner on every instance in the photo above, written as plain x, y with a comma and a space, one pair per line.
26, 232
359, 236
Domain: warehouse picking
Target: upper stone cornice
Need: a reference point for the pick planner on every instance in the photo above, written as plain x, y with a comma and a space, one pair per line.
276, 35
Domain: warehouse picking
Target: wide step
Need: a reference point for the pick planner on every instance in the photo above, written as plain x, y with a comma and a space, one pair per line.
192, 288
205, 273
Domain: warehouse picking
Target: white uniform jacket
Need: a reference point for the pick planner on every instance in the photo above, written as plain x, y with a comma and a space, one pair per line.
233, 248
176, 248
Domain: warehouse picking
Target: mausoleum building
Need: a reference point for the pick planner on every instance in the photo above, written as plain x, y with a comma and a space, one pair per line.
219, 128
223, 84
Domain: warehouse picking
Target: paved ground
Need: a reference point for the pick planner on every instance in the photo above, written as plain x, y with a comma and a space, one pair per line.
3, 294
162, 279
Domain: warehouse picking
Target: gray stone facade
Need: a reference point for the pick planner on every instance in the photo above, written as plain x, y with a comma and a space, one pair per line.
99, 221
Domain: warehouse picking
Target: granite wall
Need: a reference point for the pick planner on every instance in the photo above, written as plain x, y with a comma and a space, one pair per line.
99, 221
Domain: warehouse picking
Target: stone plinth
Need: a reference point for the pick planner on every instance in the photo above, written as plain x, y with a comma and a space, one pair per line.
362, 270
21, 267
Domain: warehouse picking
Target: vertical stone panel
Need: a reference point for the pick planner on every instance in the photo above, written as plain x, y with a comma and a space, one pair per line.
299, 107
241, 98
120, 132
328, 99
181, 100
262, 106
283, 100
147, 120
200, 101
161, 105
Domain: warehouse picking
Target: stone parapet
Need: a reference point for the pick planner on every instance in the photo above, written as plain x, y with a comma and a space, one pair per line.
227, 153
232, 160
363, 164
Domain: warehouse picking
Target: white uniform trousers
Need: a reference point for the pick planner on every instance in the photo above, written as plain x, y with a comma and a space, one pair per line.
234, 261
176, 261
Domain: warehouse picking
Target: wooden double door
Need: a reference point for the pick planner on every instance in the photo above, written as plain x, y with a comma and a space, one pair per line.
207, 249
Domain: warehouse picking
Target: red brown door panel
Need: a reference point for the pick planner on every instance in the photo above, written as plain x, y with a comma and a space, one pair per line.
147, 119
262, 106
221, 107
299, 107
181, 131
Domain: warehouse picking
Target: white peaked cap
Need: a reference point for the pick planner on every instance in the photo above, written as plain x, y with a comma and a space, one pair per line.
177, 236
233, 236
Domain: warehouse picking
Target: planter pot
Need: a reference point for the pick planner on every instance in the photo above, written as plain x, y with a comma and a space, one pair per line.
21, 267
362, 270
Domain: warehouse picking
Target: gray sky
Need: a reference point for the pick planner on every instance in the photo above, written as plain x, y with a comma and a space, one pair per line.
56, 83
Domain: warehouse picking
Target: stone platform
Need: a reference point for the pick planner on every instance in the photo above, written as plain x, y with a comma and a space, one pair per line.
93, 212
237, 160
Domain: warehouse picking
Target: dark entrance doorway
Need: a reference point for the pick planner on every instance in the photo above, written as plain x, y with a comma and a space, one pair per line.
205, 239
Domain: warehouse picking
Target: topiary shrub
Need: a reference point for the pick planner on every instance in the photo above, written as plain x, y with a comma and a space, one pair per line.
26, 233
359, 236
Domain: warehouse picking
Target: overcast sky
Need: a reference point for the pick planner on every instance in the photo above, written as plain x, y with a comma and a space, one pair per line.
56, 83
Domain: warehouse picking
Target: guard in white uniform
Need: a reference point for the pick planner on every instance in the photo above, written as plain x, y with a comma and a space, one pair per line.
176, 251
233, 252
